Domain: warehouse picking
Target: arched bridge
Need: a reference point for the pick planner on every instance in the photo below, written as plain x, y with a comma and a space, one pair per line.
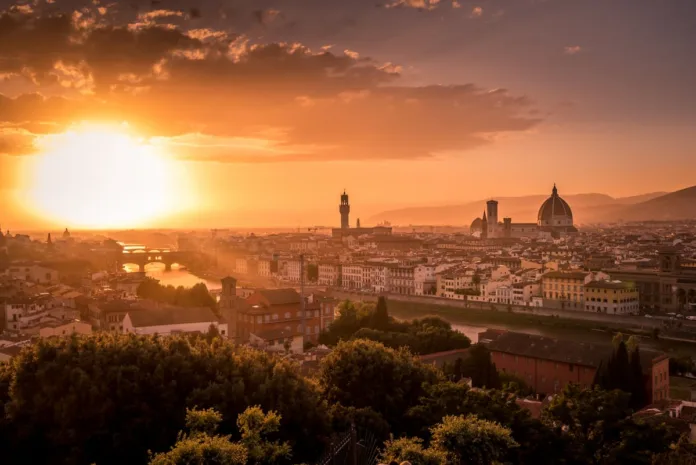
143, 257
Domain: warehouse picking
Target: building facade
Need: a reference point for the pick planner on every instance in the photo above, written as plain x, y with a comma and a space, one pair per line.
612, 297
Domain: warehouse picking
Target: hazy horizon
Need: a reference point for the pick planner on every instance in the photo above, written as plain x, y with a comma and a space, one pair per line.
215, 113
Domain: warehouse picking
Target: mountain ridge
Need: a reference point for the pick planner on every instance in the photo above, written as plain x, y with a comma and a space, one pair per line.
587, 208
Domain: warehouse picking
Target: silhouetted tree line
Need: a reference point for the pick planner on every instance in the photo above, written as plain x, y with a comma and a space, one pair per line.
358, 320
196, 296
127, 399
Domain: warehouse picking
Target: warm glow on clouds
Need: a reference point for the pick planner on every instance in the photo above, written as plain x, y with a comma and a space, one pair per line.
410, 101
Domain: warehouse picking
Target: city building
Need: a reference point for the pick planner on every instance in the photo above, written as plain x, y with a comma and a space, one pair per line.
168, 321
345, 231
613, 297
274, 310
566, 289
668, 288
555, 218
548, 365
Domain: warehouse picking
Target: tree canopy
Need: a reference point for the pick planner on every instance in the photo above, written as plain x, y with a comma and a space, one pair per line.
367, 321
108, 399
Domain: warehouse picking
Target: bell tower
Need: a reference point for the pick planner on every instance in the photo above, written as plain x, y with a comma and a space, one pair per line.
344, 209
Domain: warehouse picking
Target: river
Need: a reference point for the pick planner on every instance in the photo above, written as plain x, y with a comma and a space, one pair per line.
176, 277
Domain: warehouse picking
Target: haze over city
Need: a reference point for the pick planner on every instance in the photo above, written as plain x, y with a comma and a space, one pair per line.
168, 114
355, 232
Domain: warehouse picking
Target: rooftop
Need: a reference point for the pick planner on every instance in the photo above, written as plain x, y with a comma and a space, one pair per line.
561, 350
172, 316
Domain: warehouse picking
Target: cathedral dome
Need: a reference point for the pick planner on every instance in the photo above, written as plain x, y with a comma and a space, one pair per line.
476, 225
555, 211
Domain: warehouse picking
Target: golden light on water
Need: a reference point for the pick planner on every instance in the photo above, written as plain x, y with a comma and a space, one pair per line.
98, 176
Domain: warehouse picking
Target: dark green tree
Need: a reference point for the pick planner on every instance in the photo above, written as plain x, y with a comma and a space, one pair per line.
365, 374
480, 368
108, 399
312, 272
380, 317
602, 430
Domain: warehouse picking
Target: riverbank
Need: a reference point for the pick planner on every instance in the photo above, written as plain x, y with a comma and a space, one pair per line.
584, 330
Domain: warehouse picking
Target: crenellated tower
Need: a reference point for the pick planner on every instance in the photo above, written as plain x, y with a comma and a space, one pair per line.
344, 208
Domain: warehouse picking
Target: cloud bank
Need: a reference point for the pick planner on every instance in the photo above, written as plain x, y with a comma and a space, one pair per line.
212, 93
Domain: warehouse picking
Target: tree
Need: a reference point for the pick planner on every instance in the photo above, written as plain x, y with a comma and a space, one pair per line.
108, 398
538, 443
201, 446
638, 394
468, 440
312, 272
411, 450
623, 371
380, 317
255, 426
366, 374
682, 452
602, 429
480, 368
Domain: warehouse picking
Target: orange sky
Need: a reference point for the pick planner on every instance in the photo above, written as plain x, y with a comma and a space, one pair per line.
263, 116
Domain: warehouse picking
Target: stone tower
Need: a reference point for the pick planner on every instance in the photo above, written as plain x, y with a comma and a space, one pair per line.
344, 208
484, 226
228, 305
492, 206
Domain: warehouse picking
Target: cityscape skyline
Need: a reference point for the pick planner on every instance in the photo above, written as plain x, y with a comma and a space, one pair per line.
304, 98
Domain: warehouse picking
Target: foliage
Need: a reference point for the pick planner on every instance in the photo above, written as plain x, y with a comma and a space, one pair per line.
351, 317
312, 272
681, 365
515, 385
623, 371
365, 321
469, 440
255, 426
411, 450
365, 374
379, 319
478, 366
108, 399
538, 443
601, 428
202, 447
196, 296
681, 453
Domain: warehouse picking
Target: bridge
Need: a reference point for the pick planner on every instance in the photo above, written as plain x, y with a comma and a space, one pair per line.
142, 257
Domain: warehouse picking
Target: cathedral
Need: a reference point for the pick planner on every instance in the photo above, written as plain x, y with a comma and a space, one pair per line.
555, 219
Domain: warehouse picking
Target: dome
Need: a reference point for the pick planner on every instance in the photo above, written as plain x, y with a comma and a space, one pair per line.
555, 211
476, 225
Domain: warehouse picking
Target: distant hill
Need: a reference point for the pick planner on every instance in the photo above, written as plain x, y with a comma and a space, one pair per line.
679, 205
586, 208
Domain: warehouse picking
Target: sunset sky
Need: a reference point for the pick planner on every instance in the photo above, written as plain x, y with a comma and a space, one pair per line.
260, 112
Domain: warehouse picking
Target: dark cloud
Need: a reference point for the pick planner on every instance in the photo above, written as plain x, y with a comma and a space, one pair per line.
169, 74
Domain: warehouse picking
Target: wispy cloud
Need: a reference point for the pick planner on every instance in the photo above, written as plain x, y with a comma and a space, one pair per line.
572, 49
476, 12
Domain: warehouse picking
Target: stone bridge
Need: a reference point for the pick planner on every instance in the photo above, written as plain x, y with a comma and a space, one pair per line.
167, 257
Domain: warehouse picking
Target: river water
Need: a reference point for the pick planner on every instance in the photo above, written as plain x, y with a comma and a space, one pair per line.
176, 277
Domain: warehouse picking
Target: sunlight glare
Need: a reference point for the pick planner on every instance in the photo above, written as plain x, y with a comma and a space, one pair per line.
99, 177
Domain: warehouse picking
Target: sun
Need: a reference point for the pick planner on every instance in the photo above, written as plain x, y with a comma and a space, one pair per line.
96, 176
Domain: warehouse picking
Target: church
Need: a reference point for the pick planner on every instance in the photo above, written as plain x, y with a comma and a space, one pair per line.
555, 219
